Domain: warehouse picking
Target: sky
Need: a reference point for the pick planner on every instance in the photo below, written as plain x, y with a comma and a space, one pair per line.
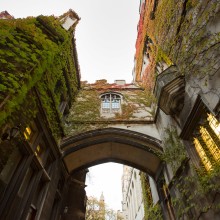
105, 35
106, 178
105, 41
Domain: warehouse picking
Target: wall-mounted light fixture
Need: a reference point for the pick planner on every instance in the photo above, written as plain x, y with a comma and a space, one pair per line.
11, 133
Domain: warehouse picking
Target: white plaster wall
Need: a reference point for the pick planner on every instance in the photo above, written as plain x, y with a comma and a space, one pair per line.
140, 212
165, 121
144, 113
133, 199
148, 129
153, 190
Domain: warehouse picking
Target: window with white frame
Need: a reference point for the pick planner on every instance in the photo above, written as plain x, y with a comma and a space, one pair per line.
110, 103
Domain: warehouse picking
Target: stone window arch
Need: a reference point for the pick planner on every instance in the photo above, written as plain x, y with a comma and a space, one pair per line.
111, 102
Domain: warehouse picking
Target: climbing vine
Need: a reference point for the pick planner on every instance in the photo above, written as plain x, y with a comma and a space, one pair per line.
151, 211
177, 38
35, 53
127, 110
85, 114
196, 193
192, 184
85, 110
174, 153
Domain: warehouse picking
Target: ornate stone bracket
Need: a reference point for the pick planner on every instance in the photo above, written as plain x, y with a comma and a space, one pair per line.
169, 91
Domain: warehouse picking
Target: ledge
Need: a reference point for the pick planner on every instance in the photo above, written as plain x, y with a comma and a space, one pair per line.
107, 122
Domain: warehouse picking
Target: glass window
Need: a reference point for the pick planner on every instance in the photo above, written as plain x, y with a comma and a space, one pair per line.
214, 124
210, 143
28, 133
111, 103
204, 158
105, 104
39, 152
207, 142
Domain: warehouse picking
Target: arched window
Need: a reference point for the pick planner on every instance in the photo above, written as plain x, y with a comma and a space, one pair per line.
207, 143
110, 103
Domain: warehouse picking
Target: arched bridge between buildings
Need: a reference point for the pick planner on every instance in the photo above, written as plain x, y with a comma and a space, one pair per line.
113, 145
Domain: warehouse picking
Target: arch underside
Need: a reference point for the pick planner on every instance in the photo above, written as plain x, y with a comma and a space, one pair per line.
115, 145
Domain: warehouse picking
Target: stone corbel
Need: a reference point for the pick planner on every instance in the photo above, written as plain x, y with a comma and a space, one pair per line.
169, 91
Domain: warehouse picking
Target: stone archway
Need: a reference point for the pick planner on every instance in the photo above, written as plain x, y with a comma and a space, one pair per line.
112, 144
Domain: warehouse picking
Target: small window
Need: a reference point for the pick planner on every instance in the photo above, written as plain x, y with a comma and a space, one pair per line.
111, 103
39, 151
28, 133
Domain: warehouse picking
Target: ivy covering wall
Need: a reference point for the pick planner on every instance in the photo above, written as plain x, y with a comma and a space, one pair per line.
86, 115
182, 33
36, 57
151, 211
195, 189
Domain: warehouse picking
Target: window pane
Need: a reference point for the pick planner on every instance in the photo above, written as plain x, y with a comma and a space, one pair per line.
202, 155
110, 103
40, 152
214, 124
115, 105
211, 145
27, 133
31, 132
105, 105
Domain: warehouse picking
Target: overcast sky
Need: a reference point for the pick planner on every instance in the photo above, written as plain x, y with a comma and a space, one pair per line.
106, 178
105, 35
105, 40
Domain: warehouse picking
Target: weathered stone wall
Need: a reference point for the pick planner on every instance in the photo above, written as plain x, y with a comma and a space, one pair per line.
86, 115
185, 36
184, 33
